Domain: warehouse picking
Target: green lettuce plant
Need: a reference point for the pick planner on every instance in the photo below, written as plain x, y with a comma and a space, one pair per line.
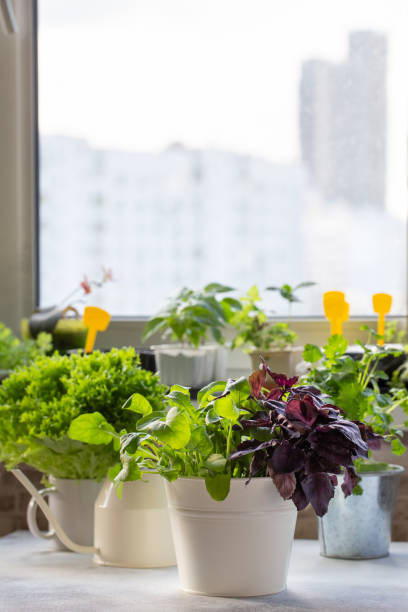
254, 331
15, 352
38, 403
190, 315
355, 387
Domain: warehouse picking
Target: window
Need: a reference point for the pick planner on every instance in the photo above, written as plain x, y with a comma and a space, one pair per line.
242, 141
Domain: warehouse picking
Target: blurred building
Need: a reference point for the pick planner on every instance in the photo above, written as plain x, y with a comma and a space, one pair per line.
343, 122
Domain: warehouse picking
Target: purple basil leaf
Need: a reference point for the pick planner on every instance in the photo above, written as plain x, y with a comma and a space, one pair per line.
286, 458
302, 410
299, 498
319, 490
256, 382
285, 483
350, 480
372, 439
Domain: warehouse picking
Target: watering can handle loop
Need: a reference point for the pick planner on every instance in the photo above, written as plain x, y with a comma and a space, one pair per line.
32, 516
59, 532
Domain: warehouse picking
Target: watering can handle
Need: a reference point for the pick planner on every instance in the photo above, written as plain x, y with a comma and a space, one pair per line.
22, 478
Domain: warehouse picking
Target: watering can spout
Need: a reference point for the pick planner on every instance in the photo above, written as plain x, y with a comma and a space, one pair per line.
79, 548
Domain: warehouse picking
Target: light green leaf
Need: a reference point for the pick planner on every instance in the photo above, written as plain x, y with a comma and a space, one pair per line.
335, 347
205, 395
91, 428
174, 431
200, 441
398, 447
181, 389
226, 408
312, 353
216, 462
138, 403
218, 486
212, 416
239, 390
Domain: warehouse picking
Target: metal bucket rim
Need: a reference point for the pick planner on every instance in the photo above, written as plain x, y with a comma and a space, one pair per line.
392, 470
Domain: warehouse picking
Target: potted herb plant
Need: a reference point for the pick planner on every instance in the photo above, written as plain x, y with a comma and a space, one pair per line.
15, 352
187, 319
63, 321
37, 405
237, 468
360, 526
259, 336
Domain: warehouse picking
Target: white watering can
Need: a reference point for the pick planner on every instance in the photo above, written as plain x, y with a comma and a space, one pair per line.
131, 531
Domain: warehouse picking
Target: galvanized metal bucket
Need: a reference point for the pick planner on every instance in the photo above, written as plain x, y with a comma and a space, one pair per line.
359, 526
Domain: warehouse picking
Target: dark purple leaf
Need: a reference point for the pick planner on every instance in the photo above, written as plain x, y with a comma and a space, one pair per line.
299, 498
302, 410
319, 490
372, 439
286, 458
285, 483
256, 382
350, 480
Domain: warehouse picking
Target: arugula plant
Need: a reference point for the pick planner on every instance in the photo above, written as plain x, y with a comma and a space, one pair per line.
354, 386
261, 427
254, 331
38, 403
15, 352
191, 315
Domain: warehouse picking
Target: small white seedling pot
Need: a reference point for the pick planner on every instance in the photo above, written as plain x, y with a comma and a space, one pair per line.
235, 548
131, 531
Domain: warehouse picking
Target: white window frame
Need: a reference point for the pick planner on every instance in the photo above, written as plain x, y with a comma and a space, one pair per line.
19, 197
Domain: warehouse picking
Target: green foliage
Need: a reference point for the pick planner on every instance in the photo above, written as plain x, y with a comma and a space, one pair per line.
38, 404
254, 329
15, 352
354, 385
190, 315
288, 293
182, 440
393, 334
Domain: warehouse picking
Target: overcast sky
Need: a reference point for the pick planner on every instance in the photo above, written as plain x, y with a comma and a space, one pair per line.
140, 74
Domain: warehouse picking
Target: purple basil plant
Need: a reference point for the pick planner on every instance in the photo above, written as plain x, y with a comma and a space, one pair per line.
311, 441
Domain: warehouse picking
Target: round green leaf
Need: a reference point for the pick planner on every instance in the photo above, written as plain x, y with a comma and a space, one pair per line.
91, 428
218, 486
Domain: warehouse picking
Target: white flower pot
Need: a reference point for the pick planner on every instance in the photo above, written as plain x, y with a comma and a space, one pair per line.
235, 548
72, 504
187, 366
280, 361
134, 530
130, 531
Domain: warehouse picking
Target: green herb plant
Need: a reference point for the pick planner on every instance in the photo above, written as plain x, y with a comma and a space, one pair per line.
15, 352
254, 331
354, 386
288, 293
190, 315
38, 403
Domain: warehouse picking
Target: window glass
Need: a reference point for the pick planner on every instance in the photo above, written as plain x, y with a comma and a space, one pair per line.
238, 141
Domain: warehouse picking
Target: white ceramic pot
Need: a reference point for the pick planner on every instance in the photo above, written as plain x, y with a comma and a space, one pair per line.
280, 361
131, 531
134, 530
187, 366
235, 548
72, 503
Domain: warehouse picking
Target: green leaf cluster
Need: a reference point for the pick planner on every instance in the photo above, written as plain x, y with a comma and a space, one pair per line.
356, 385
39, 402
15, 352
182, 439
254, 331
190, 315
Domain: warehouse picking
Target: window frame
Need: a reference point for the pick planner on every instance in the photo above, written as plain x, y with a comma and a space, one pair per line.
19, 258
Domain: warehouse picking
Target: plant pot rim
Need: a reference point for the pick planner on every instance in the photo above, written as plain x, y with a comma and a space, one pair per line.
52, 478
391, 471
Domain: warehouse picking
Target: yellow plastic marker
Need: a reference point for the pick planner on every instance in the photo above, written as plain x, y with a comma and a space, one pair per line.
382, 306
336, 310
96, 320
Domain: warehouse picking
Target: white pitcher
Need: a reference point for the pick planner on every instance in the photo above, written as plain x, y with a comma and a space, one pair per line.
131, 531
